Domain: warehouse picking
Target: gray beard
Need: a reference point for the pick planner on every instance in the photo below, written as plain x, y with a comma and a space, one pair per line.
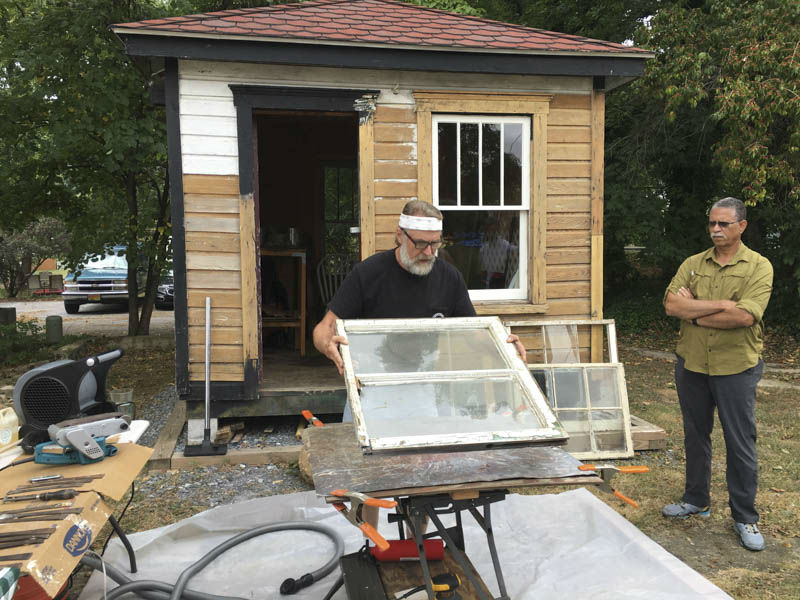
413, 266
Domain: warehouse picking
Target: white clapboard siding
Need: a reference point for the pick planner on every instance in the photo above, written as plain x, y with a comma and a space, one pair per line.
217, 106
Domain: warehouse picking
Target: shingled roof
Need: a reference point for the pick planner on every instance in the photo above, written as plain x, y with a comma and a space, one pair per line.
381, 23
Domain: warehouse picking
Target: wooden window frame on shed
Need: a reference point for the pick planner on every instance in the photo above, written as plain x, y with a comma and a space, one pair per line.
537, 107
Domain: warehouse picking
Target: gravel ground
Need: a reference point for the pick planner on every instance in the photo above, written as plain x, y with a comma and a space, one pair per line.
211, 486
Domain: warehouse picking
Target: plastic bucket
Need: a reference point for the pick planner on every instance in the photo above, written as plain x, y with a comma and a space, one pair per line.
9, 426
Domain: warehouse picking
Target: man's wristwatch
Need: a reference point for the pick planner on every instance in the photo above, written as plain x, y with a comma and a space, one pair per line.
694, 322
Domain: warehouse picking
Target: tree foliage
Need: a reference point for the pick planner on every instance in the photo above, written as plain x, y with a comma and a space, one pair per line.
23, 252
85, 142
721, 101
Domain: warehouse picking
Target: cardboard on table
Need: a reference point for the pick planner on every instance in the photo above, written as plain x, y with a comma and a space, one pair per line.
52, 561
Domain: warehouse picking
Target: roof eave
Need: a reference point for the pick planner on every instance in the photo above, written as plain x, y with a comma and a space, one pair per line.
454, 60
121, 31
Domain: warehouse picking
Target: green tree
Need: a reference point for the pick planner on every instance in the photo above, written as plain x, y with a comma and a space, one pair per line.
84, 140
23, 252
721, 116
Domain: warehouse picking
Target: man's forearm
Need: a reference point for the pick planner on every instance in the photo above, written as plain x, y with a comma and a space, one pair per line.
691, 308
731, 318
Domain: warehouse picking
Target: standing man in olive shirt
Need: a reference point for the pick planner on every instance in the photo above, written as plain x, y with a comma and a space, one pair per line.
720, 296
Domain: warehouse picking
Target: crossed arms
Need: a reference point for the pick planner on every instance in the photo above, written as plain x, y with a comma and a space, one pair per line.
718, 314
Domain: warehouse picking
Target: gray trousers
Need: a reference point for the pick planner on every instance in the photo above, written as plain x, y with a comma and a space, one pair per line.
734, 396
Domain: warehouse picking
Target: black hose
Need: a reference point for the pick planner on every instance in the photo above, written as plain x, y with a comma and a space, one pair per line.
156, 590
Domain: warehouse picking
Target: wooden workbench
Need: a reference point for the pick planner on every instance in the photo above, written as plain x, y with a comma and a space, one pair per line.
336, 462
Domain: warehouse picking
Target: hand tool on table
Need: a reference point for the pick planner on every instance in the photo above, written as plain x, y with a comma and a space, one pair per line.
30, 537
83, 440
57, 514
32, 508
607, 473
354, 514
45, 496
56, 483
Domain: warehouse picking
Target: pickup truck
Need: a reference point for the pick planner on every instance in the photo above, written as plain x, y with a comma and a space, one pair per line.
102, 279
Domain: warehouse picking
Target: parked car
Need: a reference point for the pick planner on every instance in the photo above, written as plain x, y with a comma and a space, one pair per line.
165, 293
100, 279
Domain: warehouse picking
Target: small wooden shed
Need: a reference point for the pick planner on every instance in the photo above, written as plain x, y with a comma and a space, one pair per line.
297, 133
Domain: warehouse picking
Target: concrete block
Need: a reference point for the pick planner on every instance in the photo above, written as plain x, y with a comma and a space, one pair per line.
195, 429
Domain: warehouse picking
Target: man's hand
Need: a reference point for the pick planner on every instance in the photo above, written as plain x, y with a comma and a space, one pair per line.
686, 293
327, 342
332, 352
523, 354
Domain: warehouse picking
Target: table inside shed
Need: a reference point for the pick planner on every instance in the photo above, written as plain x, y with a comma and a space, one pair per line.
420, 477
296, 318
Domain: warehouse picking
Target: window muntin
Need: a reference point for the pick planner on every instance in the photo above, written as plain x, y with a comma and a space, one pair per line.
340, 193
458, 394
589, 399
481, 174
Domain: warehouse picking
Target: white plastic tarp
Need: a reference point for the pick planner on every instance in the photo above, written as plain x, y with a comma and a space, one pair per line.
569, 545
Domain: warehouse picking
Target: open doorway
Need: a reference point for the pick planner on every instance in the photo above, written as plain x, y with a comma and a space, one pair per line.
307, 192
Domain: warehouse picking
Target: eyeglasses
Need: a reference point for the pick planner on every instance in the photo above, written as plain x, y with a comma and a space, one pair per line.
722, 224
422, 244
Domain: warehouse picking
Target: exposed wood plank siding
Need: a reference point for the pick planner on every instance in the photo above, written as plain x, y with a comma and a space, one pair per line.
598, 156
570, 155
214, 266
396, 156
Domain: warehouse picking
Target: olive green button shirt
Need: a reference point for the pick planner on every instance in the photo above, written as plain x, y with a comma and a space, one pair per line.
746, 279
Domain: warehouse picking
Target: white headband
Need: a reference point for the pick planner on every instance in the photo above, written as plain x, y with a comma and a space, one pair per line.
420, 223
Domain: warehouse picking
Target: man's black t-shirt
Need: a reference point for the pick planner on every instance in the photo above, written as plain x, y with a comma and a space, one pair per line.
379, 288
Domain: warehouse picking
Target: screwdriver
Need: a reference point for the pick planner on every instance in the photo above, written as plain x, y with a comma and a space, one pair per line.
57, 495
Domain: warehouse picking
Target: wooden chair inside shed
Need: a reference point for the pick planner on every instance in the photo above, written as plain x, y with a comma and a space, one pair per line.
331, 271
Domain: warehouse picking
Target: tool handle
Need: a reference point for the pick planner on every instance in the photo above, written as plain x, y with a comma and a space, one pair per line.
376, 537
380, 503
635, 469
626, 469
311, 418
624, 498
59, 495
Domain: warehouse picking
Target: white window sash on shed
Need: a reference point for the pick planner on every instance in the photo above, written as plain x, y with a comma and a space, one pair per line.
503, 262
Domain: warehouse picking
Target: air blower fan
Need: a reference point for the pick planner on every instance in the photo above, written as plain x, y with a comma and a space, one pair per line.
61, 390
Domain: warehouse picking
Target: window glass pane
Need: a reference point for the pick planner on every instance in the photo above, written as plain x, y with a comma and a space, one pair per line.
512, 164
446, 407
346, 194
331, 193
484, 246
491, 164
417, 351
577, 424
469, 164
603, 387
448, 164
609, 429
561, 344
569, 388
544, 379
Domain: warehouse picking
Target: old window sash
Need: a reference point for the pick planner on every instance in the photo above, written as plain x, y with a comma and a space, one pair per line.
539, 424
481, 182
593, 410
532, 106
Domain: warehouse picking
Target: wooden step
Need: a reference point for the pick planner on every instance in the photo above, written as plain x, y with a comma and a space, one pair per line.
647, 436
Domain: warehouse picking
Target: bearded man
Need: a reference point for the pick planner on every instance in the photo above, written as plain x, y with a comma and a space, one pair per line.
407, 282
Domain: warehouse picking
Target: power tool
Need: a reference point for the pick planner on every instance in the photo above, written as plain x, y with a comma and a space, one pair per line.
81, 441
